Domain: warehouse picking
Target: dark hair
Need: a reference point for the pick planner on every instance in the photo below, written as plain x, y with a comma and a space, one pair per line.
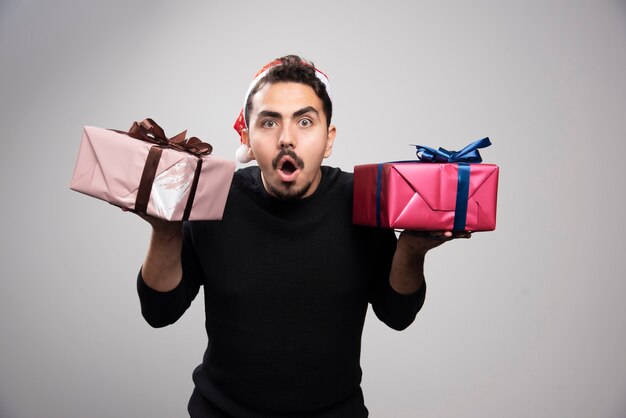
293, 69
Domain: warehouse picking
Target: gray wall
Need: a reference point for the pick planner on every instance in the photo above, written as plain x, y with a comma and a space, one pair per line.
527, 321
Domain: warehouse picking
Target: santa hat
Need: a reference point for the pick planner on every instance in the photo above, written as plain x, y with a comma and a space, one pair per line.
240, 123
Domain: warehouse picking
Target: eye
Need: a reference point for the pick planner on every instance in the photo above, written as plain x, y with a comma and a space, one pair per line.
269, 123
305, 122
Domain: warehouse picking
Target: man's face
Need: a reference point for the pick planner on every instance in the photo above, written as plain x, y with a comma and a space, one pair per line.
288, 137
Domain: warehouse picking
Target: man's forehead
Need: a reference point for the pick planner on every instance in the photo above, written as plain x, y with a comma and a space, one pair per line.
286, 97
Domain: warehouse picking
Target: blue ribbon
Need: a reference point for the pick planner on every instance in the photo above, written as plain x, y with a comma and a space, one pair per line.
379, 186
462, 194
469, 154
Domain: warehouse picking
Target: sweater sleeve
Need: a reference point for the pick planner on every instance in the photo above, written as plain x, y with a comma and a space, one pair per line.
396, 310
164, 308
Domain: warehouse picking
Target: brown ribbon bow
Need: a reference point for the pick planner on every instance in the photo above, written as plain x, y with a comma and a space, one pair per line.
149, 131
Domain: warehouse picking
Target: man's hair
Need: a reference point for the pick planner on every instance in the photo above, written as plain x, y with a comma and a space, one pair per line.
293, 69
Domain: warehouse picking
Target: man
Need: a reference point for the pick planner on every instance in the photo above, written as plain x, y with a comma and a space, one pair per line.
287, 278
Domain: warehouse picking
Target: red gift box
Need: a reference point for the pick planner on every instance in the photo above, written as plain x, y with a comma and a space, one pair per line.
426, 196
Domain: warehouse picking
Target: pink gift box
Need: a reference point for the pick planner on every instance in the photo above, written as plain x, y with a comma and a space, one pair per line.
423, 196
110, 166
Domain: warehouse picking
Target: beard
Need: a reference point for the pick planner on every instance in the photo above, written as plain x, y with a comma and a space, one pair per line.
288, 191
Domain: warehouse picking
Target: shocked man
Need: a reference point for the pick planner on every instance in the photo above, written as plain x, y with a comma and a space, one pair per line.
286, 276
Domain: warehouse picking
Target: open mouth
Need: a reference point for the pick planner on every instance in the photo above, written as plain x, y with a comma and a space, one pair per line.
288, 166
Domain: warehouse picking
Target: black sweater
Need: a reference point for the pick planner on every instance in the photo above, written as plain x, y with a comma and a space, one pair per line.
286, 287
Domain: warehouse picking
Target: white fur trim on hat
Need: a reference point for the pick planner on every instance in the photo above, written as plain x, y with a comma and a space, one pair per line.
242, 154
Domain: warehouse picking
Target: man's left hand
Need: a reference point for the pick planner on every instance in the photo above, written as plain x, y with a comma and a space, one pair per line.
418, 243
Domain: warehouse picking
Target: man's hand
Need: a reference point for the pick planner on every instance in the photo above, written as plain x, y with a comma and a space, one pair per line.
419, 243
407, 269
161, 226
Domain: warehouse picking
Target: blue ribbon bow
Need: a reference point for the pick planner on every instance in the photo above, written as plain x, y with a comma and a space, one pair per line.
469, 154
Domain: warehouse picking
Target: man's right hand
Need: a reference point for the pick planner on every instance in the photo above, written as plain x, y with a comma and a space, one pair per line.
161, 226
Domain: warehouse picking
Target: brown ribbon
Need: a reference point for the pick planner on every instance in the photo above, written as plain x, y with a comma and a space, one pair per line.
149, 131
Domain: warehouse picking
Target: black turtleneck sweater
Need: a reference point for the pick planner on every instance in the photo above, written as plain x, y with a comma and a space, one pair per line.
286, 287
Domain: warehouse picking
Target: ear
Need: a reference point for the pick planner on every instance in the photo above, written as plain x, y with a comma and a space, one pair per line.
330, 141
245, 136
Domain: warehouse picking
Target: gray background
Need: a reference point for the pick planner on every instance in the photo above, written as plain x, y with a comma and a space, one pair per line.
527, 321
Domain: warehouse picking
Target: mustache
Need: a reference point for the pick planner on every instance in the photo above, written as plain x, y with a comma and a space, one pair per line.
288, 152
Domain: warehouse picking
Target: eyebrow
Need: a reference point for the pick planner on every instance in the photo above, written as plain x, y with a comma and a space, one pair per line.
269, 113
297, 113
304, 111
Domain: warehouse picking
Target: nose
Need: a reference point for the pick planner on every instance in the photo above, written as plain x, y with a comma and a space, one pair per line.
287, 138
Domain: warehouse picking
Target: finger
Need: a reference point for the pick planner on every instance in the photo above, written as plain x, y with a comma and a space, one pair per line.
457, 234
